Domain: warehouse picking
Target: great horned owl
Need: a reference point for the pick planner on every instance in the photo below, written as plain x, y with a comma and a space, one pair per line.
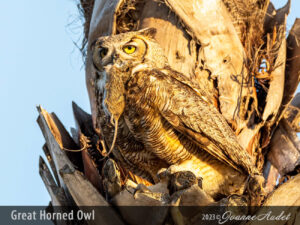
163, 118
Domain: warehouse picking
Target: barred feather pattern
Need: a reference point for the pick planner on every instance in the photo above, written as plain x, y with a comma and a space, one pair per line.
149, 96
165, 119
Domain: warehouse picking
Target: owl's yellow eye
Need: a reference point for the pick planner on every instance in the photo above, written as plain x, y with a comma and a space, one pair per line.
129, 49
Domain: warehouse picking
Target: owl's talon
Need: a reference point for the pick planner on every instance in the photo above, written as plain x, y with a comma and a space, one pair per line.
181, 180
200, 181
141, 188
162, 174
174, 169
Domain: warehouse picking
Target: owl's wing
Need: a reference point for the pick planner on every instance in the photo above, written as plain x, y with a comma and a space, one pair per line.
189, 113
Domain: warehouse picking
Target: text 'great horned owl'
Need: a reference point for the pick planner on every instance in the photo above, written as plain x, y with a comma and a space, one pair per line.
163, 119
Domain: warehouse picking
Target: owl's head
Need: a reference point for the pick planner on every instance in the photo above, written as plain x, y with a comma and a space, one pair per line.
126, 51
116, 58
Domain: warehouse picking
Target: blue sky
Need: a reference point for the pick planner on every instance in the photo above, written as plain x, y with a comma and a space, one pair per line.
39, 65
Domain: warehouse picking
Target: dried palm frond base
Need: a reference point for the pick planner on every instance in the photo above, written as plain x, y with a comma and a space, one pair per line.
82, 177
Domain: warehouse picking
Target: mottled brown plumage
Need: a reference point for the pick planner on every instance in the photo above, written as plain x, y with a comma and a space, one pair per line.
163, 118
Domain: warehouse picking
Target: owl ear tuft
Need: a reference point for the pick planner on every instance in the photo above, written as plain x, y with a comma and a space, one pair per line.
149, 32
